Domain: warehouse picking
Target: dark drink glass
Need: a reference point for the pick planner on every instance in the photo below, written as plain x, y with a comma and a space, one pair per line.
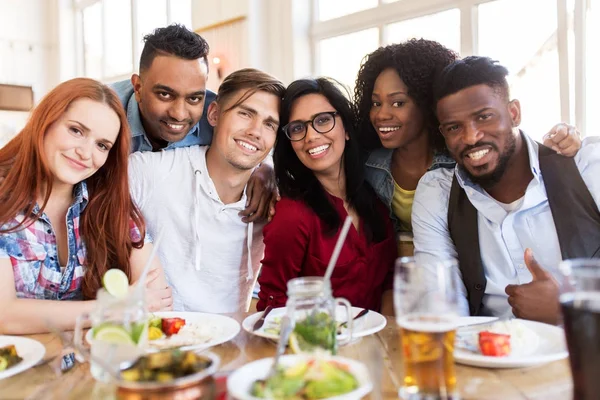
580, 304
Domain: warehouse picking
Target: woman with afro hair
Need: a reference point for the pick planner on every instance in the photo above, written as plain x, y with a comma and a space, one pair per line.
398, 126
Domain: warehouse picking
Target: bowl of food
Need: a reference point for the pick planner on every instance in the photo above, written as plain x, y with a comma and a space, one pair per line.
301, 377
167, 370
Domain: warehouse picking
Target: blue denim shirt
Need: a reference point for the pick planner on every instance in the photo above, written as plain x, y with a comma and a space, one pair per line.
378, 172
200, 134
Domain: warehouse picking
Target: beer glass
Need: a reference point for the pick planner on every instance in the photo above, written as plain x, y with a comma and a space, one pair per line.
580, 304
426, 305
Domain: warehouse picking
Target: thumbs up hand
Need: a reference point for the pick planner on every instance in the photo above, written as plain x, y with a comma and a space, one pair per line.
537, 300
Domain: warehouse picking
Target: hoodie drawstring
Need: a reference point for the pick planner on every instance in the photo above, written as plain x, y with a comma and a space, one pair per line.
196, 224
250, 274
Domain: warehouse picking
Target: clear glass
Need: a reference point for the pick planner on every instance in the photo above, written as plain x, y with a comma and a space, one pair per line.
329, 9
340, 56
118, 59
151, 14
426, 305
532, 64
443, 27
312, 309
119, 332
580, 305
92, 40
593, 65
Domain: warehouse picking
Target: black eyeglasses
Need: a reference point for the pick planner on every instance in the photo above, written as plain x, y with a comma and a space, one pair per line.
322, 123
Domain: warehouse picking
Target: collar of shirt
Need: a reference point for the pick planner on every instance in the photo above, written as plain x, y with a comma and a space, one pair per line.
489, 207
382, 158
80, 197
207, 184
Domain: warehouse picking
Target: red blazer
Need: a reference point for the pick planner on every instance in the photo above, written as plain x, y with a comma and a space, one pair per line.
295, 246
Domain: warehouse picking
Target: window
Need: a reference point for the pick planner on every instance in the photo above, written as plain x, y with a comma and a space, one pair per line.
151, 14
92, 40
340, 56
119, 49
110, 47
592, 68
329, 9
531, 59
180, 12
443, 27
538, 60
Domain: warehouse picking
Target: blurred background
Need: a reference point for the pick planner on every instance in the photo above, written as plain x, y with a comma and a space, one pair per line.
547, 45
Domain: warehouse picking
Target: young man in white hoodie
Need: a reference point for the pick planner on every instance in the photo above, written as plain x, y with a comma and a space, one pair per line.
192, 196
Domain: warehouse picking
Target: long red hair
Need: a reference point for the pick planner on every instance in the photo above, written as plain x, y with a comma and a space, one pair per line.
104, 224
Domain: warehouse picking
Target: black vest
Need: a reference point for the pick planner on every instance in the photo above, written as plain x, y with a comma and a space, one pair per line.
573, 208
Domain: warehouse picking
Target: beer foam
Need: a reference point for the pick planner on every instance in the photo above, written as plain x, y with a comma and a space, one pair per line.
427, 323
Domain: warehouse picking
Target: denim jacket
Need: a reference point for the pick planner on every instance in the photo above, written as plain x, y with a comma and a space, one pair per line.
200, 134
378, 173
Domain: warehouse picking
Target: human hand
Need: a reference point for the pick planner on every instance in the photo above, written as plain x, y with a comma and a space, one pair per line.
537, 300
564, 139
262, 195
157, 299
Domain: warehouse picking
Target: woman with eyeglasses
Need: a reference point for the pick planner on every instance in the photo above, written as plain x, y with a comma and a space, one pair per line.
321, 179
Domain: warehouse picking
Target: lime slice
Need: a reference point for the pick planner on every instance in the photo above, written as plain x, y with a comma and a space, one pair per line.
112, 334
138, 330
116, 282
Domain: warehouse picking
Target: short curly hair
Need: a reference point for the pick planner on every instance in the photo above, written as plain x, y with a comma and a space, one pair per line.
175, 40
417, 62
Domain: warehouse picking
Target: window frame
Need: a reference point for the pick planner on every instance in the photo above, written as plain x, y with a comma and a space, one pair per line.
387, 13
79, 6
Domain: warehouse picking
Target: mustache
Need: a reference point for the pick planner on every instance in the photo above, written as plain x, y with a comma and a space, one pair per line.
469, 148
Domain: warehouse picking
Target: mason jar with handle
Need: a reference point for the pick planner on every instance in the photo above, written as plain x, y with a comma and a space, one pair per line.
119, 333
312, 309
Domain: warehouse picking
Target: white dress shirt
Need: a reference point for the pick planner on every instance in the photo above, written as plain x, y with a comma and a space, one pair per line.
505, 231
205, 245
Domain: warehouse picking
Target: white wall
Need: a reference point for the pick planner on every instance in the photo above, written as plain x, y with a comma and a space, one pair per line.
28, 44
28, 53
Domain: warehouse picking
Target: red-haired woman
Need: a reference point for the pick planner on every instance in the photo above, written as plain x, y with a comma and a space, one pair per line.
66, 215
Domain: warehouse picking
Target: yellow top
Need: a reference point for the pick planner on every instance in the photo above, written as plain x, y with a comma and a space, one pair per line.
402, 206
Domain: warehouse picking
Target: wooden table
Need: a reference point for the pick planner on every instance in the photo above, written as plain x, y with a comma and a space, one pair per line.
548, 382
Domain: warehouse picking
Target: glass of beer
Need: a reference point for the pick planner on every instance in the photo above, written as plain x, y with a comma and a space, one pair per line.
426, 305
580, 304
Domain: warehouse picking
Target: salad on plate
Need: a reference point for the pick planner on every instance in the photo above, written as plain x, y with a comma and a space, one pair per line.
307, 380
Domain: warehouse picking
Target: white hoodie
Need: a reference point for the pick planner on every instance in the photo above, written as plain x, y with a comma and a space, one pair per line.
205, 245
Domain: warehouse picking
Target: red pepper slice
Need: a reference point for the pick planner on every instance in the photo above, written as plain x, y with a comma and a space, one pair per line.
494, 344
171, 326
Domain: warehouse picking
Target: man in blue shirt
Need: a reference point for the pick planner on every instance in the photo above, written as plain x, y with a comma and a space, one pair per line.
505, 201
167, 102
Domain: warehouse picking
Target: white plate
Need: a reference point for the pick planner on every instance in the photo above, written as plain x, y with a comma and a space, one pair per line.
551, 347
368, 324
240, 382
466, 321
224, 328
31, 351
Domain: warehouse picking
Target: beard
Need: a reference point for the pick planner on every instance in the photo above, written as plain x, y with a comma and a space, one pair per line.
239, 163
489, 180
